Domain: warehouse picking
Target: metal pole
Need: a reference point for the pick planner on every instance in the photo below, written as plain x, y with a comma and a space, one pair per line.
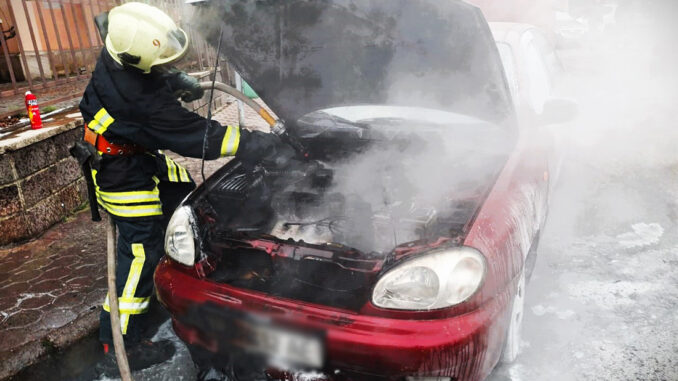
196, 48
90, 40
36, 50
78, 33
21, 46
10, 68
118, 343
49, 46
68, 34
241, 110
58, 36
90, 25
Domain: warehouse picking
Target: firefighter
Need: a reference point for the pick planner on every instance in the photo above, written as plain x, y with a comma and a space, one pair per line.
131, 112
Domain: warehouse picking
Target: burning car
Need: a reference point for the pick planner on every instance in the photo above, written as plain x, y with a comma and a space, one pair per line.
397, 247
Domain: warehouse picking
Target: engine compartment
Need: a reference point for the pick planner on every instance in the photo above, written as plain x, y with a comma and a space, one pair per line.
293, 227
369, 186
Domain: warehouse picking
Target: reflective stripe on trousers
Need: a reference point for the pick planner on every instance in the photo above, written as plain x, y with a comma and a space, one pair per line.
130, 204
127, 303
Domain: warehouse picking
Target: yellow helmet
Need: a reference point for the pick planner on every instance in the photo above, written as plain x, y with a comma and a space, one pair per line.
143, 36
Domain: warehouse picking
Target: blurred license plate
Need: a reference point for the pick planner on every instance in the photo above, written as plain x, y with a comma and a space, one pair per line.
280, 344
255, 334
276, 343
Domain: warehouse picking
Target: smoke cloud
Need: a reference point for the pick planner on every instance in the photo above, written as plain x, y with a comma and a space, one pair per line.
600, 301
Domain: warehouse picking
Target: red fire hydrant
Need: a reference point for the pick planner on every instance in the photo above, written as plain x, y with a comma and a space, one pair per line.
33, 110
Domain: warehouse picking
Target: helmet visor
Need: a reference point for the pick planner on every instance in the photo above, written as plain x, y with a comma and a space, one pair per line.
176, 45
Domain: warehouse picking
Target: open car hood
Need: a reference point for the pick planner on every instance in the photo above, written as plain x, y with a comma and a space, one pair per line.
301, 56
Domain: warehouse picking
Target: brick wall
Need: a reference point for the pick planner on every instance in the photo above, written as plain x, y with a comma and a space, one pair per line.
40, 184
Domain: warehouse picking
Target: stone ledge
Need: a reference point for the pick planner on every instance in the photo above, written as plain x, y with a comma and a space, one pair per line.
29, 137
43, 154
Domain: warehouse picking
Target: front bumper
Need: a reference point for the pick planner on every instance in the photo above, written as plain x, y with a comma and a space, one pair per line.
464, 347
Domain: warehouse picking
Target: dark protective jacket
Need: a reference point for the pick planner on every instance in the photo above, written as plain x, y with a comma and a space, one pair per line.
126, 106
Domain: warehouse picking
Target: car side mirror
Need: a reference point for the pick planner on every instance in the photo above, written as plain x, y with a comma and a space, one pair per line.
558, 111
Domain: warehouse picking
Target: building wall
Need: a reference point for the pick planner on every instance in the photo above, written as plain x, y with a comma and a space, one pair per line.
62, 31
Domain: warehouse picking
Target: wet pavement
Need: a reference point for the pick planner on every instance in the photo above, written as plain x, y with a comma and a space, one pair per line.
50, 290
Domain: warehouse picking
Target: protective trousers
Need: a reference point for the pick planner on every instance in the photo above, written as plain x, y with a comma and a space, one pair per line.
140, 246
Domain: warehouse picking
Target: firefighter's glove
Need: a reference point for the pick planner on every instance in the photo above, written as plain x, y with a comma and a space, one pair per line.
85, 153
185, 87
256, 146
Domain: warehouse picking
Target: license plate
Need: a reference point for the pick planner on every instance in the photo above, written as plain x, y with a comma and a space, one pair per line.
280, 344
235, 331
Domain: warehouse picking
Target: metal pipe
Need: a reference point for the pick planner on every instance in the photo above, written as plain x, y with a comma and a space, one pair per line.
64, 62
118, 343
77, 33
46, 38
90, 41
8, 60
62, 7
21, 46
241, 109
36, 49
89, 25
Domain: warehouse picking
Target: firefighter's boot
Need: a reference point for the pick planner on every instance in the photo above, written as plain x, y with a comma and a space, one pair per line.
141, 355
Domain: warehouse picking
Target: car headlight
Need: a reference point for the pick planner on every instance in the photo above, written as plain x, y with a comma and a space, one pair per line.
179, 238
442, 278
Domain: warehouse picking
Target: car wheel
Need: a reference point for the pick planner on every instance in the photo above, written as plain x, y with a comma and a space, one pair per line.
513, 334
531, 259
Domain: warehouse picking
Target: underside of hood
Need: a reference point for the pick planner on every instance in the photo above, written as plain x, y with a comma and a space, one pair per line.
303, 56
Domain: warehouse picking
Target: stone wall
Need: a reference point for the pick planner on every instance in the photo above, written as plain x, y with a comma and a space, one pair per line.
40, 183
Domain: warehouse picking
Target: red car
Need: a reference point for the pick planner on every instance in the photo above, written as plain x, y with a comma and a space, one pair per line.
398, 247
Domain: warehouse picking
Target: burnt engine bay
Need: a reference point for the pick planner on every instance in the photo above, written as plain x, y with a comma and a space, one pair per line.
335, 218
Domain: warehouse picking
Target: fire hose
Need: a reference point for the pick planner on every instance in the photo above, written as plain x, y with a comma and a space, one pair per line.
277, 126
118, 343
